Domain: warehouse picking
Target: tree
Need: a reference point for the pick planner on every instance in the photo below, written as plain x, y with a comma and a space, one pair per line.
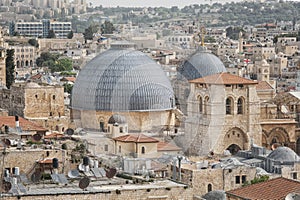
68, 88
89, 32
62, 64
33, 42
10, 67
51, 34
70, 35
107, 28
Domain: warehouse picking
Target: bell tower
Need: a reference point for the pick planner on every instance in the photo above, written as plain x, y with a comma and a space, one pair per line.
2, 60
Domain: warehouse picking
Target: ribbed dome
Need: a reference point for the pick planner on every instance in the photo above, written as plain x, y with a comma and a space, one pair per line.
284, 154
122, 79
201, 63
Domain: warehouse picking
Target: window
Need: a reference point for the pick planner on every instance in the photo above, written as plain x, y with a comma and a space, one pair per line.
240, 106
53, 97
229, 106
120, 149
106, 147
121, 129
294, 174
237, 180
200, 104
244, 178
209, 187
206, 105
143, 150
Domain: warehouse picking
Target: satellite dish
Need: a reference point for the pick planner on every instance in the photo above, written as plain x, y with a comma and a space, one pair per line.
36, 177
84, 183
81, 167
111, 172
37, 137
69, 131
6, 142
74, 173
6, 186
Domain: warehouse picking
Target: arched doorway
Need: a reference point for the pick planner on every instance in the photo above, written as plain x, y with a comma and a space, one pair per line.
235, 139
233, 148
298, 146
278, 135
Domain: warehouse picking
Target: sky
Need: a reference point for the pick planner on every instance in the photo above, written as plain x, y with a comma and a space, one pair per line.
154, 3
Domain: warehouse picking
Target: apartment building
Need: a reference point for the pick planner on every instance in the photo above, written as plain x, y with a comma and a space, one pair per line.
41, 29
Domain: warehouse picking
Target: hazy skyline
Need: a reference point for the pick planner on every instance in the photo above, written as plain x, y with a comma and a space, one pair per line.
155, 3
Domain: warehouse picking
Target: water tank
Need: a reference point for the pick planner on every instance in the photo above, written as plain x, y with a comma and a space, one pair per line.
55, 163
85, 160
17, 171
96, 164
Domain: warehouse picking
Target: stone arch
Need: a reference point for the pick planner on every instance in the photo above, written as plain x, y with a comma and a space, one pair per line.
200, 103
235, 138
234, 148
264, 140
102, 123
229, 105
241, 105
278, 135
206, 105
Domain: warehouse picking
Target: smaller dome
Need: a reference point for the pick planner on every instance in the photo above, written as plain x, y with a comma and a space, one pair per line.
117, 119
215, 195
284, 154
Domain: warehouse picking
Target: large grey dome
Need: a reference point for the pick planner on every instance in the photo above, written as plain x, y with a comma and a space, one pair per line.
201, 63
122, 79
284, 154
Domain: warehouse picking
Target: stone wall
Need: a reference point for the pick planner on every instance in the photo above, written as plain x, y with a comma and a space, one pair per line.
26, 160
137, 121
221, 179
153, 193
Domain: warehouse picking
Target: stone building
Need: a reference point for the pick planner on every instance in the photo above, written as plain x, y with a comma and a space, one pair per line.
43, 104
223, 114
199, 64
124, 81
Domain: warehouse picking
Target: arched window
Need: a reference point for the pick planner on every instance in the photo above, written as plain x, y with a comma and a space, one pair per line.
200, 104
229, 107
206, 99
240, 106
209, 187
143, 150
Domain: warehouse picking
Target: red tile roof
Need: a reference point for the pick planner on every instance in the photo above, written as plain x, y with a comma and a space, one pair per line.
164, 146
264, 85
275, 189
71, 79
137, 138
223, 79
24, 123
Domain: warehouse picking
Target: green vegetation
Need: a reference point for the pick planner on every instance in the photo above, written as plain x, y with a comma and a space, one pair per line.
90, 31
70, 35
33, 42
10, 67
51, 34
54, 62
257, 180
107, 28
68, 88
